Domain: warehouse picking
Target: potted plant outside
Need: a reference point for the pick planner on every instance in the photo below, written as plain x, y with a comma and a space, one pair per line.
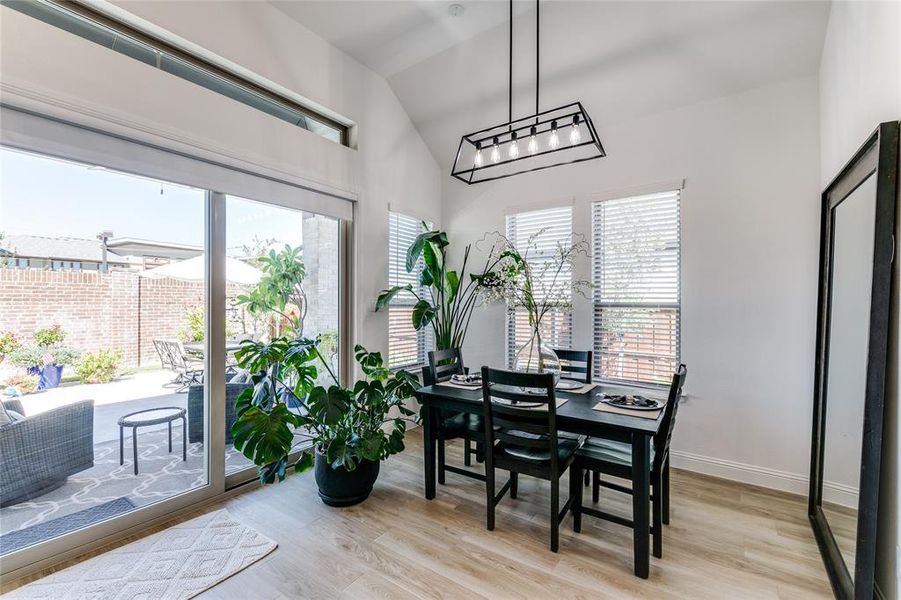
344, 432
46, 363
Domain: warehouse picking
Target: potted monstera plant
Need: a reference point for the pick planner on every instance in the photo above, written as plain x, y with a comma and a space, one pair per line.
341, 432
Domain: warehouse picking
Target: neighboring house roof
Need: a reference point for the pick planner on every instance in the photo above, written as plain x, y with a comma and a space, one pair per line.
59, 248
151, 248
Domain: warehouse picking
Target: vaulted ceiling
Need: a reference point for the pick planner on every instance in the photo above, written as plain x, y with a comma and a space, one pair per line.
623, 60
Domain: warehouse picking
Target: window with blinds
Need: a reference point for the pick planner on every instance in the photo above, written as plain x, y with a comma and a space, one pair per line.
536, 235
636, 269
406, 346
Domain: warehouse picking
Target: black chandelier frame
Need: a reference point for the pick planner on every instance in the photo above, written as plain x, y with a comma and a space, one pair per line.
541, 122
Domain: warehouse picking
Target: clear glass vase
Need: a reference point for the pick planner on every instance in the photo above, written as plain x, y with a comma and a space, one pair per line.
536, 357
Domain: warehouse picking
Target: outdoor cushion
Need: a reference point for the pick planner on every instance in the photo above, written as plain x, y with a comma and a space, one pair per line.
5, 418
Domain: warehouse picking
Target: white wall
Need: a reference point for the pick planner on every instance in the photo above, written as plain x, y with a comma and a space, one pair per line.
58, 73
860, 86
749, 265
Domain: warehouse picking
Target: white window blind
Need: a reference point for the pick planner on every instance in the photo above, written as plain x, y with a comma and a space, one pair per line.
536, 235
636, 268
406, 346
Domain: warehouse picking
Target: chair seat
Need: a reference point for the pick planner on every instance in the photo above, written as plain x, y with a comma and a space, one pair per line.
608, 451
566, 447
461, 424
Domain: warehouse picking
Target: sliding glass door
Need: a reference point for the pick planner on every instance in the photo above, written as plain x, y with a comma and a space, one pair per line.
102, 311
283, 270
123, 298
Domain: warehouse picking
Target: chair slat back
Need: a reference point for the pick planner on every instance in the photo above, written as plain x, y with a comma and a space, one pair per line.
165, 360
665, 434
443, 364
575, 364
427, 376
520, 409
176, 358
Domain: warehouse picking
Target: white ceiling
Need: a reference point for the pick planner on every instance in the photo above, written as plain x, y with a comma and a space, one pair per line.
621, 59
389, 36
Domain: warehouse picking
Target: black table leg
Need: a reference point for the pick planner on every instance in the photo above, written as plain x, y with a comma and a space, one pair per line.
428, 450
641, 502
170, 436
184, 439
134, 444
121, 445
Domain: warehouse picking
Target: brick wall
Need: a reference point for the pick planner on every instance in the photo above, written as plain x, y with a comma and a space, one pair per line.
116, 310
120, 311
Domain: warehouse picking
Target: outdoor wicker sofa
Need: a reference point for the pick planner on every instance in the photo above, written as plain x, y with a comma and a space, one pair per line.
195, 410
38, 453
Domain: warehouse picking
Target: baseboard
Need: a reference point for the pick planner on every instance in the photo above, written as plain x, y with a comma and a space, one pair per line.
741, 472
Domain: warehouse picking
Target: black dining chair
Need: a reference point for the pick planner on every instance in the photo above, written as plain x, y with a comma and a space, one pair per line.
575, 364
521, 437
444, 364
615, 459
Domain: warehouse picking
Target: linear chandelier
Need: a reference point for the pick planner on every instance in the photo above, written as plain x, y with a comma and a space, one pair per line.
550, 138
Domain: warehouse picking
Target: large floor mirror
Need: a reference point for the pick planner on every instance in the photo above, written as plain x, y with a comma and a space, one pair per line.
856, 253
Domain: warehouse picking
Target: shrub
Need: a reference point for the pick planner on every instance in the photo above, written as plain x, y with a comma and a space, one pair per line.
193, 331
25, 384
49, 336
8, 343
99, 367
26, 357
38, 356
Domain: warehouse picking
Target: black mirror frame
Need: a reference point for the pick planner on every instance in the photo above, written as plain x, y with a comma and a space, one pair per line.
877, 157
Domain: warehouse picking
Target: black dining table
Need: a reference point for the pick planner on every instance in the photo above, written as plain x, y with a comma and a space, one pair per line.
577, 416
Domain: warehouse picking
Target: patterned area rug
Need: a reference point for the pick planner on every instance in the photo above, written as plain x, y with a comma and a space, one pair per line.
22, 538
161, 475
174, 564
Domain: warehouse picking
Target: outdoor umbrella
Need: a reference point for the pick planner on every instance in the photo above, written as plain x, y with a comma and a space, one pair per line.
193, 270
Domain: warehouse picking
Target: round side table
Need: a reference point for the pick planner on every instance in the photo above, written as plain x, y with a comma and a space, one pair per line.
145, 418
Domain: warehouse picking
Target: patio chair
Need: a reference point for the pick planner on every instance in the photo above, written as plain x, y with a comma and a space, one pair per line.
189, 368
163, 352
38, 453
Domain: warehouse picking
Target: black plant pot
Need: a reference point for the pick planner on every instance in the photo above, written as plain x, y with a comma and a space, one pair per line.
340, 487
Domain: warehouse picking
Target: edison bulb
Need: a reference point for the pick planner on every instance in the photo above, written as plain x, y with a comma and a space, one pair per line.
575, 135
514, 147
554, 141
495, 153
478, 159
533, 142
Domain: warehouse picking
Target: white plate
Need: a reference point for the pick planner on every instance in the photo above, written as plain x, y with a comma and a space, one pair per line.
565, 384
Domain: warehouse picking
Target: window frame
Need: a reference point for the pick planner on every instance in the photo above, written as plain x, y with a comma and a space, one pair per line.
510, 346
59, 139
597, 305
396, 262
93, 24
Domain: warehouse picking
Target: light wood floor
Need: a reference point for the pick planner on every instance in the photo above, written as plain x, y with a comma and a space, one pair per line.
725, 540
